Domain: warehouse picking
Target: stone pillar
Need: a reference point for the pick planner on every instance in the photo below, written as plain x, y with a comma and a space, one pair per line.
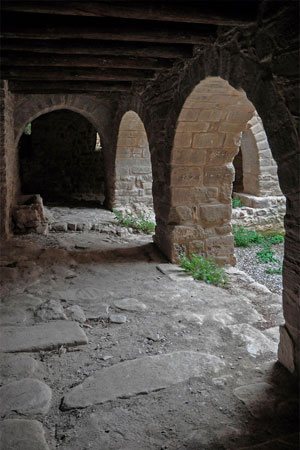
9, 174
207, 139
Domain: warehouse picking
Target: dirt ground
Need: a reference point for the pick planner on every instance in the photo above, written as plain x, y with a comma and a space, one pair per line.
240, 396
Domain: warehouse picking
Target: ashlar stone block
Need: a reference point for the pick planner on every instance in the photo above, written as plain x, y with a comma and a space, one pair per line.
186, 176
215, 213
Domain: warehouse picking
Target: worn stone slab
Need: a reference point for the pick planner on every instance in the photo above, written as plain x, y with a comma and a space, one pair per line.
140, 376
46, 336
130, 304
17, 366
256, 342
22, 434
258, 398
10, 315
28, 396
174, 273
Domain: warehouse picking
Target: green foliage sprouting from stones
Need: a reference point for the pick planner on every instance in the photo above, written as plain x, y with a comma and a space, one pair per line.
202, 268
237, 202
27, 129
244, 238
137, 222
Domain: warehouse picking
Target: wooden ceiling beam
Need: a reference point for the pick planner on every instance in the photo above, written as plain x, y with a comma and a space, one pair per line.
64, 87
49, 60
66, 73
204, 12
54, 28
97, 47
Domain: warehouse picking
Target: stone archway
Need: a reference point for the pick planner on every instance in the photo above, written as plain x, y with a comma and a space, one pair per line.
259, 168
133, 170
207, 139
24, 109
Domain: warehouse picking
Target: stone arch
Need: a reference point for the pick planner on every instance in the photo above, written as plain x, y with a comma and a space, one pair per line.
58, 159
259, 167
207, 138
133, 170
31, 107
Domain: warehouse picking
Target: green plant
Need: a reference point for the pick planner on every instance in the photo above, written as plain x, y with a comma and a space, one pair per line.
237, 202
244, 238
266, 255
27, 129
202, 268
138, 222
274, 270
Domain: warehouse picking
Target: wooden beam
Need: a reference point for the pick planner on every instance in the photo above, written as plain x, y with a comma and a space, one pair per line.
205, 12
50, 27
97, 47
64, 87
49, 60
67, 73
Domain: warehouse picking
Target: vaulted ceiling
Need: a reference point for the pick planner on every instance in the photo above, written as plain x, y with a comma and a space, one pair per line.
105, 46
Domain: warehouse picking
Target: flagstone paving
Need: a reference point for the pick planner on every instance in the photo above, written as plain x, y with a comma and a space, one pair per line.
192, 367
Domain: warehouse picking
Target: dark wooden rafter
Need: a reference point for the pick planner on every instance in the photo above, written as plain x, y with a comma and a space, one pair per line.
98, 47
47, 27
49, 60
202, 12
67, 73
43, 87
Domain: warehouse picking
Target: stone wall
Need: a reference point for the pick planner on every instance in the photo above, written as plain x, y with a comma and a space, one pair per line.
133, 171
260, 213
60, 162
9, 180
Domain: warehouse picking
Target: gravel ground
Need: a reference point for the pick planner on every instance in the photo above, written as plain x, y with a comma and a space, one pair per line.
247, 261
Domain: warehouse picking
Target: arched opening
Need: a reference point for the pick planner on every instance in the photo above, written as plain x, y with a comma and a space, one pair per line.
58, 158
61, 164
208, 136
133, 170
258, 203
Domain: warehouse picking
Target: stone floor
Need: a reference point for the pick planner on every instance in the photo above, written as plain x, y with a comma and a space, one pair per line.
106, 346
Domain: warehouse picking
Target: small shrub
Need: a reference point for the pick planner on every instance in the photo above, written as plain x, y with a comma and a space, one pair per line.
274, 270
244, 238
237, 202
139, 222
266, 255
202, 268
27, 129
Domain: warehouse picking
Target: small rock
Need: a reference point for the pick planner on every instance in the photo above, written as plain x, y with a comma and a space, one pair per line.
50, 310
106, 357
17, 366
130, 304
76, 313
21, 434
27, 396
59, 226
117, 318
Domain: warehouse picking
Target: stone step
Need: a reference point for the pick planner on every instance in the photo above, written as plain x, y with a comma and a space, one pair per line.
46, 336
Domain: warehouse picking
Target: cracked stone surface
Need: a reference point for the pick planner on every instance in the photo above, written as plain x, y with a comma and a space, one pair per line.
141, 376
27, 396
22, 434
205, 410
45, 336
